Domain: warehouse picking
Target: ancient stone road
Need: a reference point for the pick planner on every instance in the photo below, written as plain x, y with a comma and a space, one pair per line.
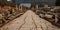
29, 21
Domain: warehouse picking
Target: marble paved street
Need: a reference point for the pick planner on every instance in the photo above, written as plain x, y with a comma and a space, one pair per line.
29, 21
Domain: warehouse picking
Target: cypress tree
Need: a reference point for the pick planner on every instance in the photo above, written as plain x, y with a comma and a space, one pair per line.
57, 3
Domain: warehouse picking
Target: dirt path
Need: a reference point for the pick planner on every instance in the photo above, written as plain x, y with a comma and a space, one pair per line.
29, 21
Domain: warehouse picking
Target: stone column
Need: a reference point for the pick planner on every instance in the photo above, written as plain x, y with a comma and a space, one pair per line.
56, 19
16, 7
37, 7
19, 7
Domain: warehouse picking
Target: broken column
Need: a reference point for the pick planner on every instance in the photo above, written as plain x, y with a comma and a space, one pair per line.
20, 7
37, 6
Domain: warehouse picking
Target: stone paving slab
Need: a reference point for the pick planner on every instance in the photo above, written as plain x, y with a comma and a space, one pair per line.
29, 21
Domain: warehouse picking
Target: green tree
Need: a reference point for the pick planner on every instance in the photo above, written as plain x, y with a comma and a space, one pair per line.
57, 3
